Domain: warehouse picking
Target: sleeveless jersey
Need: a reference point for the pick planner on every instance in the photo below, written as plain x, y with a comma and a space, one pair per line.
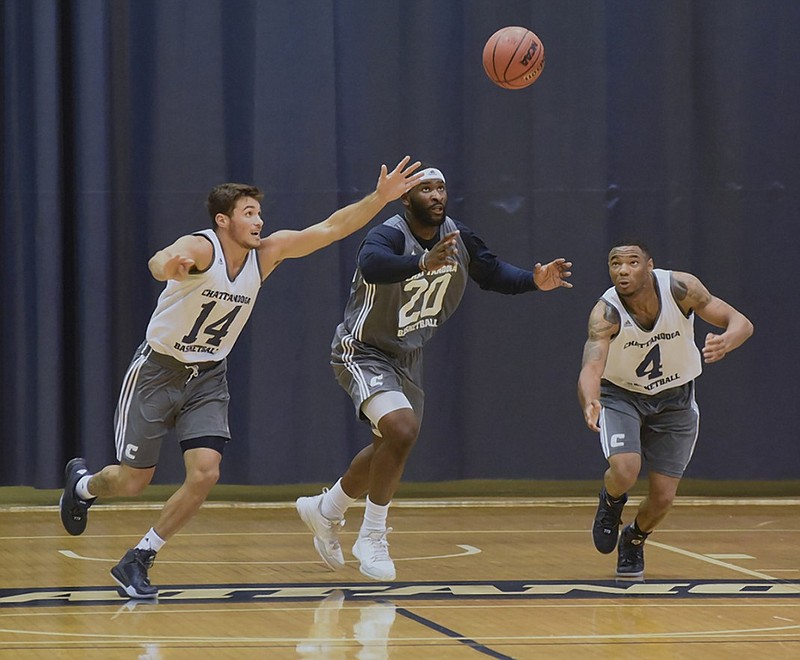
651, 361
400, 317
200, 318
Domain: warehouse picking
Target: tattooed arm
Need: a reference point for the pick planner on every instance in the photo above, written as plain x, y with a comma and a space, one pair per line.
603, 326
692, 296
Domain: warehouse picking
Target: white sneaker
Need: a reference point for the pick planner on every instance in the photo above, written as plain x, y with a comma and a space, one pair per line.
372, 550
326, 532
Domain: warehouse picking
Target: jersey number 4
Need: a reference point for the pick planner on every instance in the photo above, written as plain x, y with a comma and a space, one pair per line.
216, 330
651, 365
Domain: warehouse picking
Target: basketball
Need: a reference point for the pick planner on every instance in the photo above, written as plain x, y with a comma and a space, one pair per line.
513, 57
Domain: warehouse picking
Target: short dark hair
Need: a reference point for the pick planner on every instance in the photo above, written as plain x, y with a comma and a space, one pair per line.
223, 198
629, 240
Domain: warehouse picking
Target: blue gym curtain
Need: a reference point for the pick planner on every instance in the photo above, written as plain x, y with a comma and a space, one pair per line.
673, 121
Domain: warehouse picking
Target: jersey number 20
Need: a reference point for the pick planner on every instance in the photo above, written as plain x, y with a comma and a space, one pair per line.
426, 299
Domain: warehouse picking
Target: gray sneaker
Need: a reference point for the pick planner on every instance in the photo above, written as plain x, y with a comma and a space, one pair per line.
326, 532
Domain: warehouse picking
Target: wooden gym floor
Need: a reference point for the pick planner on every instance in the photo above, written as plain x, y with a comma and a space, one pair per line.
497, 578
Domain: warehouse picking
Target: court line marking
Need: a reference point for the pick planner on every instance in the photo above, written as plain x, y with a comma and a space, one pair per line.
772, 631
467, 550
452, 634
438, 532
444, 503
141, 607
711, 560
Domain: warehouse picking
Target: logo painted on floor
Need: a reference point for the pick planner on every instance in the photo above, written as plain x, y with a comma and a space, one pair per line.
403, 591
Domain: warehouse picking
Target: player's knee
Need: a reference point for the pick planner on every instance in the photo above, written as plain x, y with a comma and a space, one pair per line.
661, 502
625, 470
401, 433
203, 476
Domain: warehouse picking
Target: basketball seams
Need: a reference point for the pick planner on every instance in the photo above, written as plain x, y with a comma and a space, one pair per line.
513, 58
501, 53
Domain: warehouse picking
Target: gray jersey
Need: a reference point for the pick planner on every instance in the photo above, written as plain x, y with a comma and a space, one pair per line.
399, 318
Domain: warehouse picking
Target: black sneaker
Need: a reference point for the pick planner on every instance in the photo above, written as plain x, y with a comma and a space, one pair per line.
73, 508
630, 562
131, 574
605, 529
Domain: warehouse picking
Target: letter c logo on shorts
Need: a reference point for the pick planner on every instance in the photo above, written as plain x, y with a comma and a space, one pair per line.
617, 440
130, 451
376, 380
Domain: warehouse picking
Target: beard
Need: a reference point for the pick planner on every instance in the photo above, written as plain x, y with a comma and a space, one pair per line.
422, 212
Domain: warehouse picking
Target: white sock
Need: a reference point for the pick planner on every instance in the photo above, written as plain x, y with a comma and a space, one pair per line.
374, 517
82, 488
335, 502
151, 541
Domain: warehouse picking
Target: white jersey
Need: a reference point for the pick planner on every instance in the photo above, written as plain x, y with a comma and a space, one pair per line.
200, 318
649, 361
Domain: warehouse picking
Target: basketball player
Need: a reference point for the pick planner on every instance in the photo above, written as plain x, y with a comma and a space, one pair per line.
636, 388
177, 376
411, 275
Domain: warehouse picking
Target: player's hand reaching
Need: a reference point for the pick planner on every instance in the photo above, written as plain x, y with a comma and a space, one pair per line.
552, 275
399, 181
177, 267
441, 254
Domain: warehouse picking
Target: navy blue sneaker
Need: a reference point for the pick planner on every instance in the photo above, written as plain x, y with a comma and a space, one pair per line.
131, 574
630, 560
74, 510
605, 529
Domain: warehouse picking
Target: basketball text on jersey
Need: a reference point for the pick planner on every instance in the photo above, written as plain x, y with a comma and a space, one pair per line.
229, 297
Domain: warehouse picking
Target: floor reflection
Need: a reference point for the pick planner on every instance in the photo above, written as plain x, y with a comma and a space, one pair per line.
330, 639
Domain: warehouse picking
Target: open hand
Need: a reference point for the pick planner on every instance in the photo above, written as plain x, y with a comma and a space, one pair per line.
399, 181
552, 275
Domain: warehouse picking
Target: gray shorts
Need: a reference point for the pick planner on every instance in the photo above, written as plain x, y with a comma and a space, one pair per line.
160, 393
363, 371
662, 428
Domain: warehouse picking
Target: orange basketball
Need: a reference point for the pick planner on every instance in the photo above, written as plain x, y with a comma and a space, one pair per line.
513, 57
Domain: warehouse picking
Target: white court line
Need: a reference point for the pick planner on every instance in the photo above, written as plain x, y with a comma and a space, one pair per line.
773, 631
711, 560
427, 532
443, 503
468, 550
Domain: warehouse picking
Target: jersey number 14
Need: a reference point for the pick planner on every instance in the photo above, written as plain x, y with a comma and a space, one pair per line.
216, 330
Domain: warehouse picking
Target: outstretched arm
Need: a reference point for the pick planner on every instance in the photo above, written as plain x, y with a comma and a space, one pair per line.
603, 325
692, 295
291, 244
175, 261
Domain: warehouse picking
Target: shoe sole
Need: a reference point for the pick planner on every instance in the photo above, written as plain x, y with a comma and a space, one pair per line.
128, 591
373, 576
319, 546
73, 528
611, 539
631, 575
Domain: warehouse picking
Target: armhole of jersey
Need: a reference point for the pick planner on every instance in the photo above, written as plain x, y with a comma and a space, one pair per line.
675, 300
619, 332
258, 267
197, 271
